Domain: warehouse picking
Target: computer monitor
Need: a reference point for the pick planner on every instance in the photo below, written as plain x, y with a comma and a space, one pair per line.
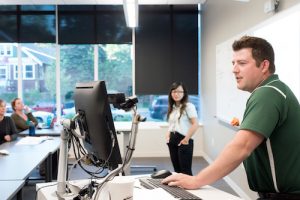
96, 123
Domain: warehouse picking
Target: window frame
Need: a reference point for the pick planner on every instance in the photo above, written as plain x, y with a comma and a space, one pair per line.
5, 74
24, 72
6, 50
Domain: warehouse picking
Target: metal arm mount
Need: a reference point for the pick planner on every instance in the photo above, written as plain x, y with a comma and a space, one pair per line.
128, 155
68, 129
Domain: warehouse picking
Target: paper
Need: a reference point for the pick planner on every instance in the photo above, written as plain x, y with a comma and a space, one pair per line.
4, 152
29, 140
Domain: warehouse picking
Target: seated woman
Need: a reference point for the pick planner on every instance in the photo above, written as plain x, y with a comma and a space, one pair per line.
22, 115
8, 130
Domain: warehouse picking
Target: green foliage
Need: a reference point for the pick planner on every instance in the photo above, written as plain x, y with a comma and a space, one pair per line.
116, 68
77, 65
7, 96
32, 97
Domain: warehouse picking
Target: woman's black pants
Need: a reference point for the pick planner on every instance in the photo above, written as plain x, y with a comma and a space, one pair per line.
181, 156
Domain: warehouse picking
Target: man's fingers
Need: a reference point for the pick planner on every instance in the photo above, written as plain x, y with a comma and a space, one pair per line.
169, 179
173, 183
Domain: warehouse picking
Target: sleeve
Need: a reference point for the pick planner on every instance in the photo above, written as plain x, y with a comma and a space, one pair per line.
262, 114
32, 118
19, 122
12, 128
191, 111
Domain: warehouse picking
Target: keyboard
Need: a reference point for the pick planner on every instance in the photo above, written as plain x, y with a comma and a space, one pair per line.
176, 192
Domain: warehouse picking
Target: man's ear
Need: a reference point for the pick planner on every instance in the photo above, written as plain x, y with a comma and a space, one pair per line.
265, 66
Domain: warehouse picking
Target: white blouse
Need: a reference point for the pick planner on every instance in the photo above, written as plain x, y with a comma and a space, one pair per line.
183, 124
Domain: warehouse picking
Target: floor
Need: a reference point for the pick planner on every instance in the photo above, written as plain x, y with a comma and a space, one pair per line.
160, 163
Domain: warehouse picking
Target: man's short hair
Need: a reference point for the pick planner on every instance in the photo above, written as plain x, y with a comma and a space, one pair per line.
261, 49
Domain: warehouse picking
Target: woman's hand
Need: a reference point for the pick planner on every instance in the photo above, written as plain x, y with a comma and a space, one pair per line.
168, 137
26, 109
7, 138
184, 141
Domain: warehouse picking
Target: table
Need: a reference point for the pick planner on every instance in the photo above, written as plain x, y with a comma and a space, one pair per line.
44, 132
22, 159
10, 189
47, 191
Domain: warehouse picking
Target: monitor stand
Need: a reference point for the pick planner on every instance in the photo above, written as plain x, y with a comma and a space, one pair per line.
68, 129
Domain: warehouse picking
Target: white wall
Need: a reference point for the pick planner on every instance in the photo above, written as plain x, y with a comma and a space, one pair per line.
152, 143
222, 20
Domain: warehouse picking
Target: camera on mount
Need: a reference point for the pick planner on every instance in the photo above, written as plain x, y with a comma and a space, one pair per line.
119, 101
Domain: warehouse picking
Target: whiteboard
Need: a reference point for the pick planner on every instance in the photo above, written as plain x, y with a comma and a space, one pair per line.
283, 32
231, 101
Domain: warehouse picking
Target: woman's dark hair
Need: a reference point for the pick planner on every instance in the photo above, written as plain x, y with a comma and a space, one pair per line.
183, 101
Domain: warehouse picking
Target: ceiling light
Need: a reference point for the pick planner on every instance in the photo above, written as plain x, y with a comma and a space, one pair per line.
131, 10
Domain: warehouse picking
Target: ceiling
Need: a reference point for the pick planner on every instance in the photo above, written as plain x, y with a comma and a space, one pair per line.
95, 2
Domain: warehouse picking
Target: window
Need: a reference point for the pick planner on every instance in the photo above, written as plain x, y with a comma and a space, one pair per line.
16, 72
8, 85
77, 65
3, 73
111, 39
28, 72
6, 50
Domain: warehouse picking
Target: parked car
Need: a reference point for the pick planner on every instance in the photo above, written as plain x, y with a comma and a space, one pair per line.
159, 107
67, 105
9, 110
45, 106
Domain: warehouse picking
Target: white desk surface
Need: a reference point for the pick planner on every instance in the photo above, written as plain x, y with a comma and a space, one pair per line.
10, 188
22, 159
47, 191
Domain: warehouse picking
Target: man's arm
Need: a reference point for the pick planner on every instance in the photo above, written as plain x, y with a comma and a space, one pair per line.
230, 158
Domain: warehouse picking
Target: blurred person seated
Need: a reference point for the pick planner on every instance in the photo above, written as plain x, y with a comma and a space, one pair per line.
8, 130
22, 115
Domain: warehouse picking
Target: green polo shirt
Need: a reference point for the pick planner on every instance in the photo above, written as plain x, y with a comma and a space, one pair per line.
273, 111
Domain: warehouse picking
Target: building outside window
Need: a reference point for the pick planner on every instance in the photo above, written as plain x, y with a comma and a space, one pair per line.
3, 73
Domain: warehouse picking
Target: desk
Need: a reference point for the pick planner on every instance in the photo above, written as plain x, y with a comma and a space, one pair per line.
9, 189
46, 191
22, 159
44, 132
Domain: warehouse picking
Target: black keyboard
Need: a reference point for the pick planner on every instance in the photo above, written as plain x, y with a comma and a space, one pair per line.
176, 192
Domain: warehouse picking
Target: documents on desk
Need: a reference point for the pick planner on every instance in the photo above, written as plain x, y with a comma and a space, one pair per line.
29, 140
4, 152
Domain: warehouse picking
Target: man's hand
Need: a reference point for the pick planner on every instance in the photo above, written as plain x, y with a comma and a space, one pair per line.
182, 180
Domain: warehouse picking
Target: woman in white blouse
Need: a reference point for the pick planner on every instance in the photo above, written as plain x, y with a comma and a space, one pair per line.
182, 118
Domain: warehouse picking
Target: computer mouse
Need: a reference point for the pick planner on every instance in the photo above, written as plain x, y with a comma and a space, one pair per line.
161, 174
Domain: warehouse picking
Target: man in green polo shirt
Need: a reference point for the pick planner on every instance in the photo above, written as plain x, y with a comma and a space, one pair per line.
269, 136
